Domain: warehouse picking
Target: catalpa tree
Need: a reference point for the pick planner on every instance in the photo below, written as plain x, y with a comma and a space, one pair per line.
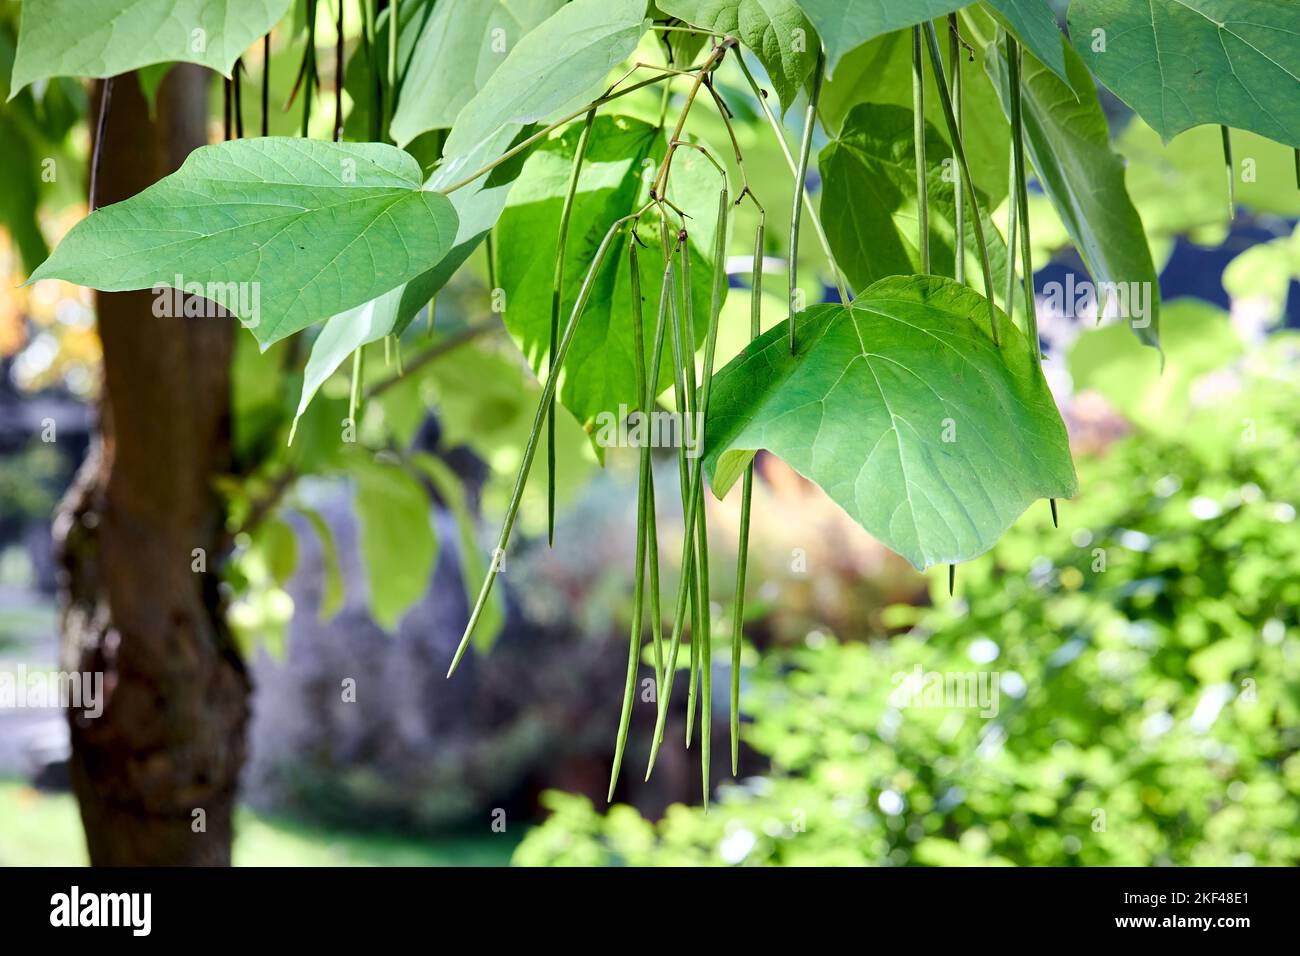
602, 153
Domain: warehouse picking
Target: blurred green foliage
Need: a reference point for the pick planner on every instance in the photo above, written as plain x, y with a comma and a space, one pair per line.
1148, 664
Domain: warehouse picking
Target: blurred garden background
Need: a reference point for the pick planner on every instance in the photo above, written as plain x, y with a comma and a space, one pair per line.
1146, 652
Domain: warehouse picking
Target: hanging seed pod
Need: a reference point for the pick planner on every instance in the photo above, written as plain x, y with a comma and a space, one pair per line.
805, 147
746, 501
645, 494
390, 101
1021, 203
338, 76
530, 449
936, 64
266, 85
1012, 218
557, 291
1232, 178
959, 200
684, 396
696, 478
1022, 194
918, 138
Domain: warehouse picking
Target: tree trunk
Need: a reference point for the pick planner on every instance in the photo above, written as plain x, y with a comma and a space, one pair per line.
140, 535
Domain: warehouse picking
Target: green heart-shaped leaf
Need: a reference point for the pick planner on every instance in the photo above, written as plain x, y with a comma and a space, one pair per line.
904, 411
1181, 63
283, 232
99, 38
782, 38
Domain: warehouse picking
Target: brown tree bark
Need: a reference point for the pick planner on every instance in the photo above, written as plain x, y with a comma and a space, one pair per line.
170, 740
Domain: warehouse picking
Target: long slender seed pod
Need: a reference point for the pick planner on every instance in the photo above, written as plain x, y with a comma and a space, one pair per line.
1232, 177
1297, 168
800, 178
684, 391
697, 434
643, 499
936, 63
338, 75
959, 200
225, 110
368, 17
557, 292
918, 138
358, 374
1022, 194
266, 85
775, 125
700, 599
1012, 217
705, 640
656, 612
390, 102
952, 578
237, 89
667, 301
308, 77
746, 501
530, 450
1022, 204
697, 472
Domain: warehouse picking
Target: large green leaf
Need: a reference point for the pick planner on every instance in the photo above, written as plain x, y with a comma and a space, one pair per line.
1068, 141
1033, 23
1181, 63
477, 206
845, 24
102, 38
599, 373
869, 207
459, 47
782, 38
556, 68
904, 411
306, 229
881, 72
398, 544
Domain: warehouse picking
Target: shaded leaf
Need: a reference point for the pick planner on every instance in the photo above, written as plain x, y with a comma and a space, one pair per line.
473, 565
96, 38
1181, 63
398, 545
881, 72
869, 207
457, 50
331, 601
556, 68
782, 38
